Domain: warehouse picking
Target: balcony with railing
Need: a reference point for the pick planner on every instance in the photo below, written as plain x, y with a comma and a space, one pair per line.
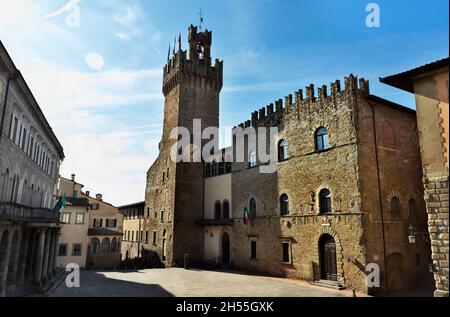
13, 211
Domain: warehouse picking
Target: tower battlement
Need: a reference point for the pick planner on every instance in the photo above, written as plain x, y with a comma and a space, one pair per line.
272, 113
194, 65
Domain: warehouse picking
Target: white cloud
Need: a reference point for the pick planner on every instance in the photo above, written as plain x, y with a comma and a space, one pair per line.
128, 16
122, 36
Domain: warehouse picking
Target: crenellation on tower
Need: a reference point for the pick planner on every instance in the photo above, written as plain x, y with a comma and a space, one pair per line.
310, 93
335, 88
322, 92
298, 97
194, 65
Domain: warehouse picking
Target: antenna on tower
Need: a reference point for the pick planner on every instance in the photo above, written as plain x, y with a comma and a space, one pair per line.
202, 17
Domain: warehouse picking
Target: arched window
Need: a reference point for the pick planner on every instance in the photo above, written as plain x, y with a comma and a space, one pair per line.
226, 210
252, 211
395, 207
284, 205
282, 151
95, 245
325, 201
322, 139
114, 245
252, 162
217, 210
412, 210
106, 246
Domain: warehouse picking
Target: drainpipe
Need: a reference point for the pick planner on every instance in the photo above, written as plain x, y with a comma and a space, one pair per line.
380, 195
14, 76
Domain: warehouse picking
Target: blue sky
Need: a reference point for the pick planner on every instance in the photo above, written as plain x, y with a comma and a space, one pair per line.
108, 114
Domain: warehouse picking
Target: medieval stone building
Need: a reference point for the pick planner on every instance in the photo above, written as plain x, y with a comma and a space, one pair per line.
346, 189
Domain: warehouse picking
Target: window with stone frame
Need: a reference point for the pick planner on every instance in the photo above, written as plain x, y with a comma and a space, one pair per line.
79, 219
217, 210
282, 151
253, 249
252, 209
322, 141
286, 251
284, 205
395, 208
325, 201
65, 217
226, 210
76, 249
154, 238
62, 249
98, 223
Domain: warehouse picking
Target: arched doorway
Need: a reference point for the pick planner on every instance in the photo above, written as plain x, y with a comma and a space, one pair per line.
4, 261
328, 261
225, 248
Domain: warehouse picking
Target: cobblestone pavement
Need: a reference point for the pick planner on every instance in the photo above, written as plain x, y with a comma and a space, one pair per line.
192, 283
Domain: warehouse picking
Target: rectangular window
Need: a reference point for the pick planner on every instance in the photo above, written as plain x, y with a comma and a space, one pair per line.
24, 139
65, 217
253, 250
14, 135
79, 220
154, 237
98, 223
62, 250
111, 223
76, 249
132, 235
162, 216
286, 252
146, 237
128, 236
95, 206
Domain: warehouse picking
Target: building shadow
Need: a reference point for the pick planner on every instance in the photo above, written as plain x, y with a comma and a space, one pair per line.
96, 284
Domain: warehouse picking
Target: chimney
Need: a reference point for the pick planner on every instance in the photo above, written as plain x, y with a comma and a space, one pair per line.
73, 177
98, 197
87, 193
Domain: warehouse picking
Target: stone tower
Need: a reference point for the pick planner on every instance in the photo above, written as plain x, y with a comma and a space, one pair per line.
174, 194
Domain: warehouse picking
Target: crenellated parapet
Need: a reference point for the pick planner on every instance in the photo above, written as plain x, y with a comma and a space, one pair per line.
274, 112
195, 65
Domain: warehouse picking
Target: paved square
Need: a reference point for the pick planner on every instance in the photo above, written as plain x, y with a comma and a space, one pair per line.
192, 283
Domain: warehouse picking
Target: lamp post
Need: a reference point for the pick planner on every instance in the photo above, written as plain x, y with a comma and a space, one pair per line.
14, 76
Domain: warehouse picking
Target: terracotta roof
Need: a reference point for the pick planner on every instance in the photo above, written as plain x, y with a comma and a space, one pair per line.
103, 232
139, 204
405, 80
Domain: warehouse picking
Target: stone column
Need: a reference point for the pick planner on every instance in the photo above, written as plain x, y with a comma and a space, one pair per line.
46, 255
55, 252
12, 270
4, 261
30, 256
51, 254
23, 257
38, 263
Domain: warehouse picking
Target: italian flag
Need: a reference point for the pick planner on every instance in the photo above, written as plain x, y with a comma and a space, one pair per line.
61, 204
246, 221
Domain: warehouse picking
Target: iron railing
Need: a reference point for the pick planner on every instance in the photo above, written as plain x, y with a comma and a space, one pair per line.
13, 211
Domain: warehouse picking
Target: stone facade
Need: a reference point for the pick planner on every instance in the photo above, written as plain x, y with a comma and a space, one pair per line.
191, 87
133, 231
326, 213
30, 156
430, 85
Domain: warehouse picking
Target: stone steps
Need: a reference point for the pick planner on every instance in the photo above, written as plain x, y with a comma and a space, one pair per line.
328, 284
